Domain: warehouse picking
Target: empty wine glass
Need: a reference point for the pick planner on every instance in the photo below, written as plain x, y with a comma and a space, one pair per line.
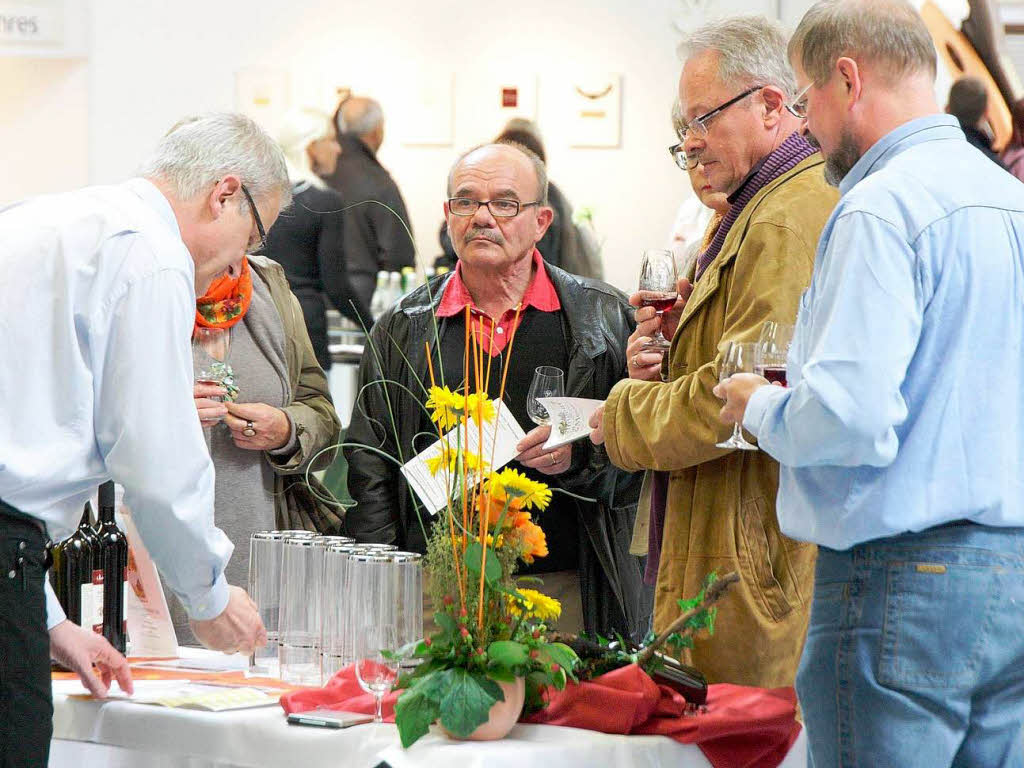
548, 381
658, 289
210, 355
772, 348
376, 662
738, 358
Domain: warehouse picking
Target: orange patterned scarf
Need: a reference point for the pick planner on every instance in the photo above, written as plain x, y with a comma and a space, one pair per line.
226, 300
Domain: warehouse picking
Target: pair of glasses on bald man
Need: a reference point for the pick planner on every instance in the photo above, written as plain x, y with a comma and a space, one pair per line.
501, 209
698, 127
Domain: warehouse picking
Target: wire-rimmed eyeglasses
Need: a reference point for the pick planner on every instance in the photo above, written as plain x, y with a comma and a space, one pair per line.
798, 105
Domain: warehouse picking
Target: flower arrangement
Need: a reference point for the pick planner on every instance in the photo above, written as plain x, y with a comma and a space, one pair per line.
491, 630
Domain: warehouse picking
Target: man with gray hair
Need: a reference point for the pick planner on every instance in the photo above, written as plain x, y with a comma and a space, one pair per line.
901, 434
375, 238
710, 506
98, 298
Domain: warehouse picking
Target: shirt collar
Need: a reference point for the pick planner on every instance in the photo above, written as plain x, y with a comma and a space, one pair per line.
918, 131
147, 191
540, 293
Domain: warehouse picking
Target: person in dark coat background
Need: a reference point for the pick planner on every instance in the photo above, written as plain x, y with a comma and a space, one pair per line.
375, 238
308, 238
967, 103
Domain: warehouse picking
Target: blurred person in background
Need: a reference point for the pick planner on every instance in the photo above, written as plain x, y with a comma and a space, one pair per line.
97, 388
308, 238
563, 245
375, 238
1013, 156
968, 101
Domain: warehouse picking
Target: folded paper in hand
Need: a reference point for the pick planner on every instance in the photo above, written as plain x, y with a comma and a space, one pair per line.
432, 489
570, 418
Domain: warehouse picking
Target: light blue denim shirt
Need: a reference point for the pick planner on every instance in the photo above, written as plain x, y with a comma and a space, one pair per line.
906, 401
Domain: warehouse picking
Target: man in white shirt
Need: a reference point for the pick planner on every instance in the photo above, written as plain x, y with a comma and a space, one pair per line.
97, 303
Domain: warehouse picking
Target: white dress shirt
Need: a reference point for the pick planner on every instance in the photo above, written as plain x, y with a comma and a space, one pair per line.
97, 304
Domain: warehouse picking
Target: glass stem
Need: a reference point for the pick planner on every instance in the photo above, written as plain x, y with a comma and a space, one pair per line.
378, 716
736, 434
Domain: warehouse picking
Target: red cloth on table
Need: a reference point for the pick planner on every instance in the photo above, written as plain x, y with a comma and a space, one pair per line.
743, 727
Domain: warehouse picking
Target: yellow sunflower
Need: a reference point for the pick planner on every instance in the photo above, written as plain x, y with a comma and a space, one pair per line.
480, 400
521, 490
446, 406
448, 459
535, 605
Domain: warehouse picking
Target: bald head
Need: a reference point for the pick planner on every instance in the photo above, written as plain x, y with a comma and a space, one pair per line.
361, 116
487, 156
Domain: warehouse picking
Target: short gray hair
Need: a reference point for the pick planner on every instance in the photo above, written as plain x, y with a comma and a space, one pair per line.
889, 33
360, 116
678, 119
199, 151
538, 167
751, 52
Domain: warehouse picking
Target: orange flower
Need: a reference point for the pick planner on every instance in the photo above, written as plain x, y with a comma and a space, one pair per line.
492, 507
535, 544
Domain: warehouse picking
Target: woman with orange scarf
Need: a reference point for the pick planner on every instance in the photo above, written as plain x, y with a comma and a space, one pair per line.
269, 417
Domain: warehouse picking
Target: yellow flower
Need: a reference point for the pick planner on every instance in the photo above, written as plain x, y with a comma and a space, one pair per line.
446, 405
480, 400
523, 492
535, 605
448, 459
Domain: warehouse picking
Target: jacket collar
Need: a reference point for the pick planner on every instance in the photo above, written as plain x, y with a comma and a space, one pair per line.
356, 146
707, 286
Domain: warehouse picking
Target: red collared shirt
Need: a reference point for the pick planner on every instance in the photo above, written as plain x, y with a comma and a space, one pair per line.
540, 294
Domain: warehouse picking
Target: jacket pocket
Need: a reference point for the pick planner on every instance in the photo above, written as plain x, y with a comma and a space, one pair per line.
762, 558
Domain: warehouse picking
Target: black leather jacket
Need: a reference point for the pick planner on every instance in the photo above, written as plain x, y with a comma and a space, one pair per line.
597, 321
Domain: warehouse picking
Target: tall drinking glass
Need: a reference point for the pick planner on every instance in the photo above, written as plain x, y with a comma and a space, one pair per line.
301, 585
658, 289
334, 610
408, 600
739, 358
548, 381
265, 552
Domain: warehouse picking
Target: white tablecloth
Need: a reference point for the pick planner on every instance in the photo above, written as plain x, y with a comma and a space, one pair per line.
119, 734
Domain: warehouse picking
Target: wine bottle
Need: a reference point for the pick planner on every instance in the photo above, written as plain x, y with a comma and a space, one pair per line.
93, 618
114, 555
72, 570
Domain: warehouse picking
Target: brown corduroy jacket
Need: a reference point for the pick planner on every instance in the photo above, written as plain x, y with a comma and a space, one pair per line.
720, 512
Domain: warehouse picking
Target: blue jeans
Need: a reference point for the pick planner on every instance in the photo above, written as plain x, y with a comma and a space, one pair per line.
915, 652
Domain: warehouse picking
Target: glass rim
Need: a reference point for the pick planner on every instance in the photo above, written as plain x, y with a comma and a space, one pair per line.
549, 370
370, 557
268, 535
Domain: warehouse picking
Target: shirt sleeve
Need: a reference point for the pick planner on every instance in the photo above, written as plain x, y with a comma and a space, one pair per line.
54, 612
149, 434
855, 344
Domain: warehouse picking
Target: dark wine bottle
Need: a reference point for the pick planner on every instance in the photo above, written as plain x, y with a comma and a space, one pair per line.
72, 571
114, 554
93, 618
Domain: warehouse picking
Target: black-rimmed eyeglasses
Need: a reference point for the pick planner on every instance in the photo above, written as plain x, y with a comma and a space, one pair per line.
502, 209
262, 244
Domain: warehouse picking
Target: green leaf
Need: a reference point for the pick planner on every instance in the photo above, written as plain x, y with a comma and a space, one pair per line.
446, 622
492, 567
508, 653
560, 654
414, 713
501, 674
467, 702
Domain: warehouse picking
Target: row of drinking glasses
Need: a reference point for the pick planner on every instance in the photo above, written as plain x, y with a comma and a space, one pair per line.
325, 599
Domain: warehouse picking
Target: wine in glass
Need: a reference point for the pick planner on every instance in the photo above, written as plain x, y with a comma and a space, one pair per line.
209, 347
548, 381
658, 290
377, 662
772, 348
739, 358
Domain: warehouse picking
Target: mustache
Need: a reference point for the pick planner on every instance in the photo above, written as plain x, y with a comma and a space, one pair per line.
486, 234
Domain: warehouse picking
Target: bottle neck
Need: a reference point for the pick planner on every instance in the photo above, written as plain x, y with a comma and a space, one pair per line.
86, 517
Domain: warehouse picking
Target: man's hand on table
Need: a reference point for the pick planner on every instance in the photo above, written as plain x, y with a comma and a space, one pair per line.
238, 629
91, 657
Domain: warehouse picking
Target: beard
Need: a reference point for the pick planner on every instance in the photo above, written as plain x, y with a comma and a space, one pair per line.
839, 162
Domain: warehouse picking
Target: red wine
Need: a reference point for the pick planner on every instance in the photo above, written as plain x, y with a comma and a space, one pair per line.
776, 374
662, 302
114, 556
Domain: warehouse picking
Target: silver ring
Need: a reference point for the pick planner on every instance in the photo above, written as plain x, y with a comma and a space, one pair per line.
554, 461
635, 363
250, 430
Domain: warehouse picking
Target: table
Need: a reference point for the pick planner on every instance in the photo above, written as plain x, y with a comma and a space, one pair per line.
119, 734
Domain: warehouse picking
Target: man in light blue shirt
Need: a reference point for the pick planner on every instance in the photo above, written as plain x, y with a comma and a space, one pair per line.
901, 435
97, 305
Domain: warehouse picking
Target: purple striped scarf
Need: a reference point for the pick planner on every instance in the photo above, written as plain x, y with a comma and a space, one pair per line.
786, 156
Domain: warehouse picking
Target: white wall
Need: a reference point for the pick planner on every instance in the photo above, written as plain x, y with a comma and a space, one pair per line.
153, 62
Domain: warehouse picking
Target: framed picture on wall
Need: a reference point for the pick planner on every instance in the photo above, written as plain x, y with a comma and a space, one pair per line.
493, 100
595, 104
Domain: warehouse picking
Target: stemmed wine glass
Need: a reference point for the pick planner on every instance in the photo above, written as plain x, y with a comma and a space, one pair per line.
739, 358
548, 381
658, 290
209, 347
772, 348
377, 662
